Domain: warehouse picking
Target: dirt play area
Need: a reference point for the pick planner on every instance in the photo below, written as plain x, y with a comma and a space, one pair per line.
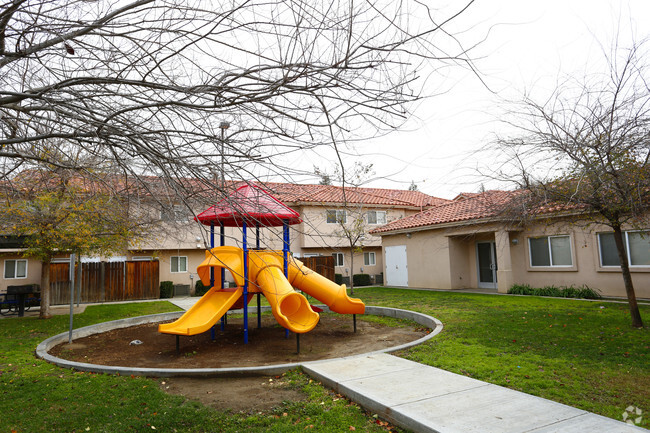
333, 337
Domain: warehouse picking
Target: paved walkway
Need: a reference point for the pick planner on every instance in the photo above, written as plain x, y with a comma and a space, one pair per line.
426, 399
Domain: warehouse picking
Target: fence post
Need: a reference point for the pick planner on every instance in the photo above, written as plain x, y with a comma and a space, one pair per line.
102, 281
79, 280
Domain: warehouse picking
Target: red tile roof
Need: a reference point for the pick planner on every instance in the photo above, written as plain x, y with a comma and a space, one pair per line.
285, 192
322, 194
465, 207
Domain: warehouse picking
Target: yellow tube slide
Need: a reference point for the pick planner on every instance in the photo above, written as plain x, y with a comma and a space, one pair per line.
290, 308
328, 292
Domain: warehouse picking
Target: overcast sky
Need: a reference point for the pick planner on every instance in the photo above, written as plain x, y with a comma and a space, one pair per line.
529, 44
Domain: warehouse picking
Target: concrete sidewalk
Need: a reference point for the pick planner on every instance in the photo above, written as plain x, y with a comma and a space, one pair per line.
426, 399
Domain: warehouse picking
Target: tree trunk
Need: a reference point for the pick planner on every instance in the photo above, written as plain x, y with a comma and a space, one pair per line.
627, 277
45, 290
352, 270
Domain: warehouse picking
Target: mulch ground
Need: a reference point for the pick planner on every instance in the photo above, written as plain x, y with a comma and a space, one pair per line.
333, 337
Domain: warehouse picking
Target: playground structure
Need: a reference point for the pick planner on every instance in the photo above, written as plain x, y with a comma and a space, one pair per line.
271, 273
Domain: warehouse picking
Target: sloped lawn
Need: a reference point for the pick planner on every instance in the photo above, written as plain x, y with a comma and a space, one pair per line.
581, 353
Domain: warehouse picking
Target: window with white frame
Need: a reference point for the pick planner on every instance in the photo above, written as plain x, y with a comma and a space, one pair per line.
376, 216
550, 251
179, 264
637, 247
336, 216
338, 259
15, 269
369, 259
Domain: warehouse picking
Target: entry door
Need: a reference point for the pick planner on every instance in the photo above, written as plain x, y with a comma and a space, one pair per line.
486, 258
396, 267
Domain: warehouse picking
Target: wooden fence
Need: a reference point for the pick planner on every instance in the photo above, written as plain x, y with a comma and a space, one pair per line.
324, 265
106, 281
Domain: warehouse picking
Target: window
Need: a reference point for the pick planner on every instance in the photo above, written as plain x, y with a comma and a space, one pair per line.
179, 264
637, 246
174, 213
376, 217
550, 251
15, 269
336, 216
369, 259
338, 259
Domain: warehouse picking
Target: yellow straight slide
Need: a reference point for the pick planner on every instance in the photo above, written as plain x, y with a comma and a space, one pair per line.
333, 295
205, 313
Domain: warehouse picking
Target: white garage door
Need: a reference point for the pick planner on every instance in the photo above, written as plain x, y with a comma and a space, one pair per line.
396, 268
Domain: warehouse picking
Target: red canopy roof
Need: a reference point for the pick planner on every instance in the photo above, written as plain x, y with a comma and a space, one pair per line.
252, 204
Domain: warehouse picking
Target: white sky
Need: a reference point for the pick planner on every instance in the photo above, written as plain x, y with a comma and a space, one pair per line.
530, 45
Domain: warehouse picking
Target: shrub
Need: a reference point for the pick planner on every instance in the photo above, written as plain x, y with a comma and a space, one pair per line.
338, 279
361, 280
520, 289
166, 289
199, 288
583, 292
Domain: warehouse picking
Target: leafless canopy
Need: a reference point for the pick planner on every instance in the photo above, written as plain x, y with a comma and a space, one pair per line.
142, 87
588, 144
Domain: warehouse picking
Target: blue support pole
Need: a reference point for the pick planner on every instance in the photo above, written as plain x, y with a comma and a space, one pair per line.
285, 255
222, 242
211, 246
259, 295
285, 247
245, 284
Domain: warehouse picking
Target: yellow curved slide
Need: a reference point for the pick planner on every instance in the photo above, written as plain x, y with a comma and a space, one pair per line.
290, 308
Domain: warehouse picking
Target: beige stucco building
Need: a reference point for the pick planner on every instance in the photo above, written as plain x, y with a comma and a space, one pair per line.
327, 212
465, 244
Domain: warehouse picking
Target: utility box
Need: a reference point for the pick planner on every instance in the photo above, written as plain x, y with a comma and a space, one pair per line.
181, 290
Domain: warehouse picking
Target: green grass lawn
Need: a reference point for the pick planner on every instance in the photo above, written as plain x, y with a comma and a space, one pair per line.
570, 351
581, 353
36, 396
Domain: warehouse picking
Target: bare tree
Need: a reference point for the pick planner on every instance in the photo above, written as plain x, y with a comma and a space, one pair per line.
351, 217
586, 149
143, 88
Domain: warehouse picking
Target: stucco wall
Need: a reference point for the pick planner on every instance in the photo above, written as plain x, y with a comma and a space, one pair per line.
586, 269
194, 258
427, 259
33, 272
446, 258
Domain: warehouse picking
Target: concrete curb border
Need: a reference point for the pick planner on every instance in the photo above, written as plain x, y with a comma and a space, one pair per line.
42, 349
